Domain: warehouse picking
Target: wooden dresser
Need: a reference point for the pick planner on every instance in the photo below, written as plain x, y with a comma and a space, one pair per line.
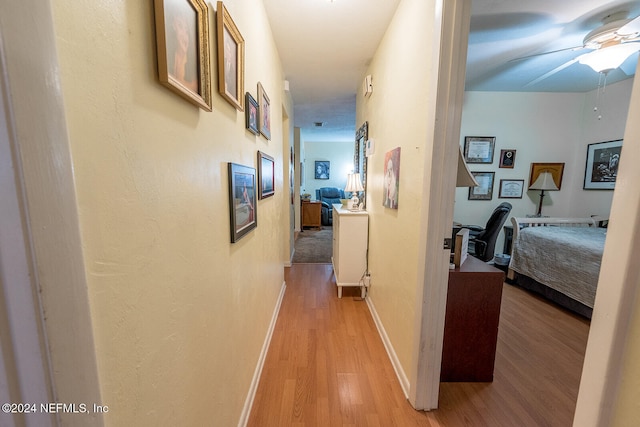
311, 213
471, 322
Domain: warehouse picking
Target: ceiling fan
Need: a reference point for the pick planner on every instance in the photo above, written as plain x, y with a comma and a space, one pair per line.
610, 44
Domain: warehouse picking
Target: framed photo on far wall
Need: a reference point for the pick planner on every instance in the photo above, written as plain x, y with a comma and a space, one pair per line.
323, 167
242, 200
182, 40
230, 59
511, 188
479, 149
484, 190
507, 158
266, 175
601, 170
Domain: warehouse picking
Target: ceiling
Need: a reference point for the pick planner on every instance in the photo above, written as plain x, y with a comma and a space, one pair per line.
325, 47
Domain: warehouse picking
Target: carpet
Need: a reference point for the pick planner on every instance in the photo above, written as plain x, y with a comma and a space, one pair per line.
314, 247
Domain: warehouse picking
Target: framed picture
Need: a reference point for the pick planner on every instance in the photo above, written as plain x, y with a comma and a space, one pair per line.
265, 112
182, 40
266, 175
251, 113
242, 200
391, 178
479, 149
507, 158
511, 188
556, 170
601, 170
230, 59
484, 190
322, 169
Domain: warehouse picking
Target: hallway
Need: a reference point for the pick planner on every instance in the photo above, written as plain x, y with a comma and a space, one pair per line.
327, 365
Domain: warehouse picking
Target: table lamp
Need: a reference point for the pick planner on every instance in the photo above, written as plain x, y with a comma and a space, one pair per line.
354, 186
544, 182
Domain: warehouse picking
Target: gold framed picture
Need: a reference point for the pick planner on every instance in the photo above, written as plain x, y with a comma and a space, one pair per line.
265, 112
182, 39
556, 170
230, 59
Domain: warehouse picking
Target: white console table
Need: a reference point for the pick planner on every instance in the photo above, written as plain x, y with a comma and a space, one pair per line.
350, 244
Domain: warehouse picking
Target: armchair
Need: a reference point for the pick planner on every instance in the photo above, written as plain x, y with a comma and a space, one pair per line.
328, 196
483, 240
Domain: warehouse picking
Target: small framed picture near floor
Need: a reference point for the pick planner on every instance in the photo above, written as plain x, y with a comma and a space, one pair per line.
242, 200
484, 190
511, 188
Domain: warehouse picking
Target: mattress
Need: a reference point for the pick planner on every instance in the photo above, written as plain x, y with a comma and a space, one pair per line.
566, 259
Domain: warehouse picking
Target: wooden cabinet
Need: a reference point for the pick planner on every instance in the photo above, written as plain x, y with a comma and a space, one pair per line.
350, 242
471, 322
311, 214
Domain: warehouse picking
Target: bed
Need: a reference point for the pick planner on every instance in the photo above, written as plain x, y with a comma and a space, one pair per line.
558, 258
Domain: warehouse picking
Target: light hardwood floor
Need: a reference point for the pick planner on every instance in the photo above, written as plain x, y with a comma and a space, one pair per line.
327, 365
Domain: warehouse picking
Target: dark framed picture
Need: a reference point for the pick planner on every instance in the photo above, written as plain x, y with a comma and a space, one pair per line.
230, 59
251, 113
484, 189
264, 120
266, 175
479, 149
182, 40
507, 158
601, 170
323, 167
555, 169
242, 200
511, 189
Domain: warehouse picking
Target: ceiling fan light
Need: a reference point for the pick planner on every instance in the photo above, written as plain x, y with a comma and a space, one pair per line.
609, 58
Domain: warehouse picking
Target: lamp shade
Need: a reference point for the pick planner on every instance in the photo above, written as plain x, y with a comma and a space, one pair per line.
354, 183
464, 177
609, 58
544, 182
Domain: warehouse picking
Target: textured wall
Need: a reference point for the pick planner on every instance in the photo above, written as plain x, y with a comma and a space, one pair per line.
180, 314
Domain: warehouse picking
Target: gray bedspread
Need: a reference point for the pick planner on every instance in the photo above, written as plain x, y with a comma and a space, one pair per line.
566, 259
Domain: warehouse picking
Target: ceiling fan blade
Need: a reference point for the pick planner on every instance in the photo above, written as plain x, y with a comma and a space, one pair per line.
552, 72
631, 27
547, 53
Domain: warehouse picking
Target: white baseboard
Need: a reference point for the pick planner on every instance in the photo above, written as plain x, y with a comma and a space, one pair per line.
395, 362
246, 410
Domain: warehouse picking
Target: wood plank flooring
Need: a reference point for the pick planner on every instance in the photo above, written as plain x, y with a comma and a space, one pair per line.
327, 365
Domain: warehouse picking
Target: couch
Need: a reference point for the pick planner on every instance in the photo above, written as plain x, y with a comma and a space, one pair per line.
328, 196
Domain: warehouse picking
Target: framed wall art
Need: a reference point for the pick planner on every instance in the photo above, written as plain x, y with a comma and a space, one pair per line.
391, 186
484, 189
242, 200
601, 170
266, 175
556, 170
264, 104
182, 41
230, 59
507, 159
479, 149
511, 189
251, 113
323, 168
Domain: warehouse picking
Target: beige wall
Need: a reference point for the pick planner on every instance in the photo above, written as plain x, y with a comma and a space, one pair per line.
179, 313
396, 112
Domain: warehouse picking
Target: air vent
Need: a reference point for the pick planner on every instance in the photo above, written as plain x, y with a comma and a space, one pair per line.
318, 124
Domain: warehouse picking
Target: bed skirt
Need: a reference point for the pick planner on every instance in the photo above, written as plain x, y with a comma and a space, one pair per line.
559, 298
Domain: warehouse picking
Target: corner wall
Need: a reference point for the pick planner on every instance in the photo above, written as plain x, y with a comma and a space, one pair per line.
397, 112
179, 313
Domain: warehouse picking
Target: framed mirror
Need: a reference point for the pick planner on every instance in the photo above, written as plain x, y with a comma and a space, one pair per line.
360, 158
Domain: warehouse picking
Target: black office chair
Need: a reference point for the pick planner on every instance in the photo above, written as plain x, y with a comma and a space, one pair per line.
482, 241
